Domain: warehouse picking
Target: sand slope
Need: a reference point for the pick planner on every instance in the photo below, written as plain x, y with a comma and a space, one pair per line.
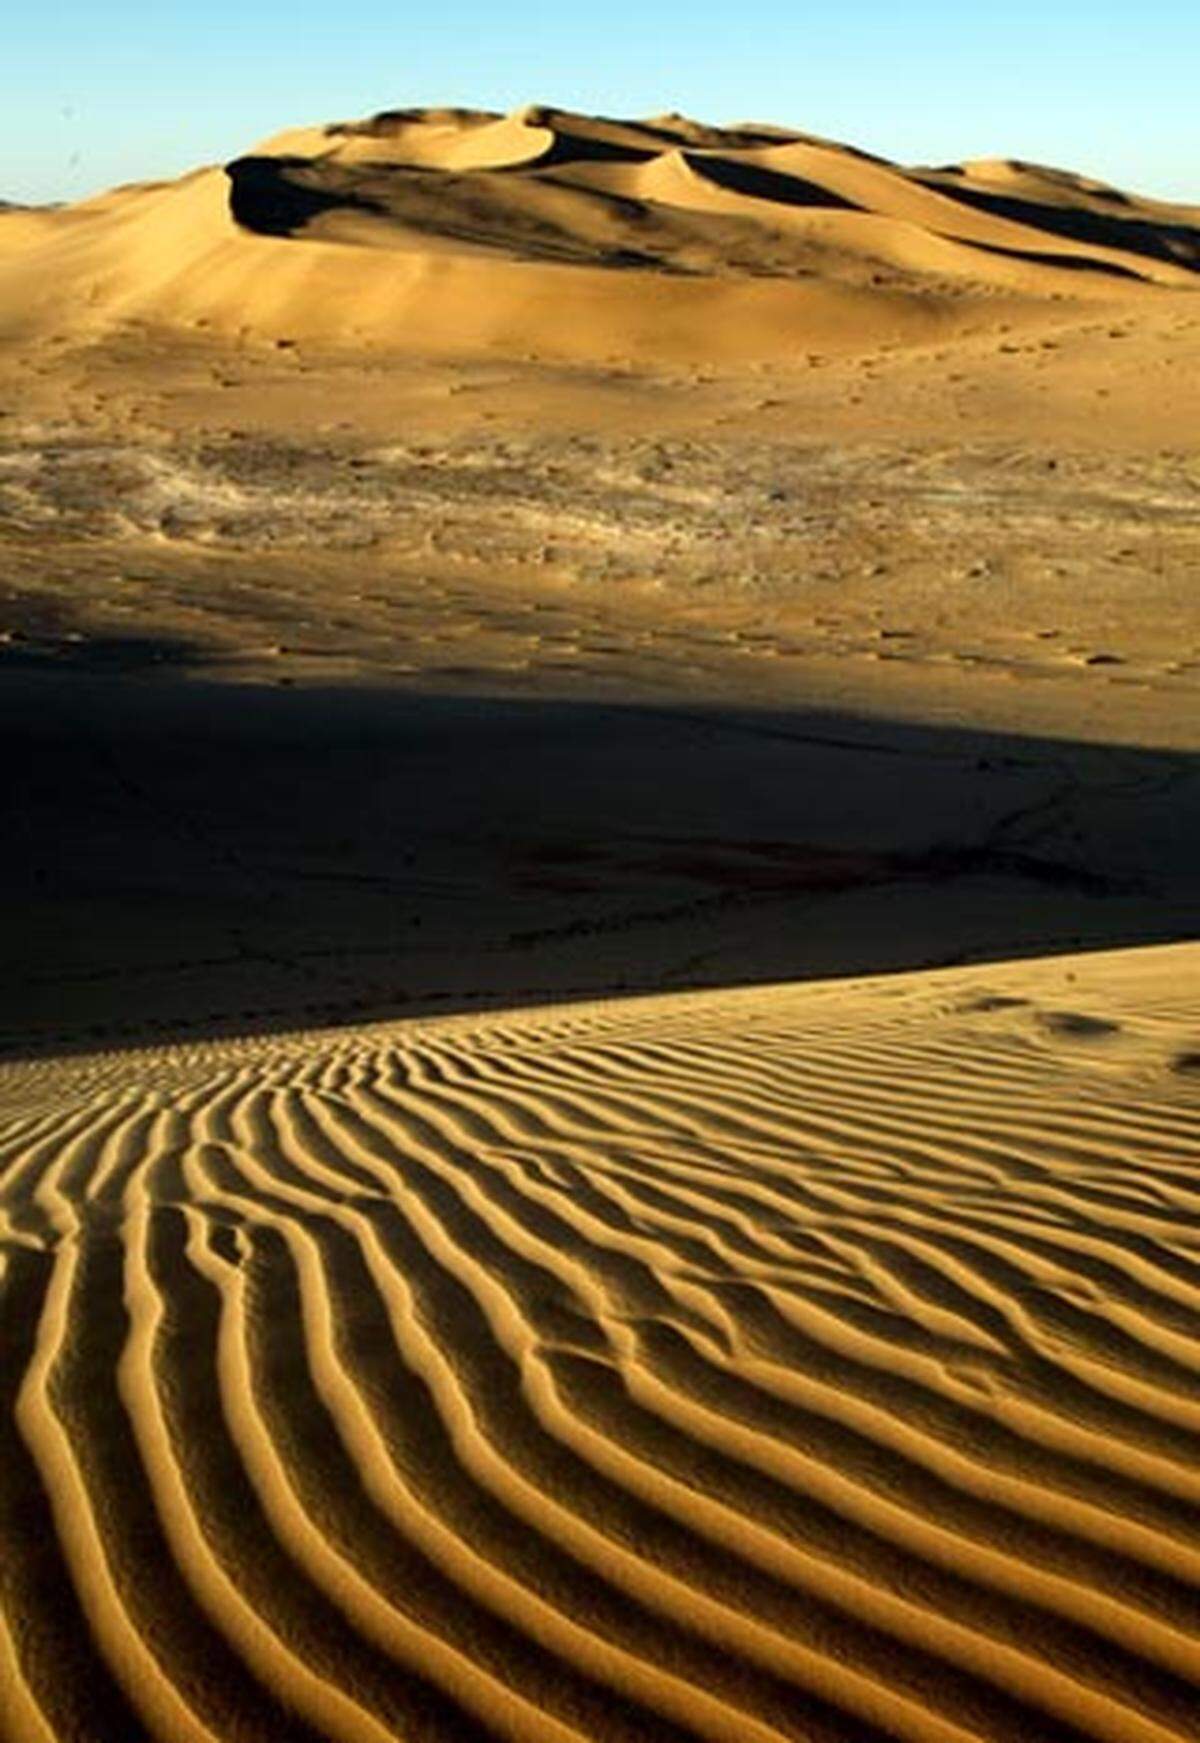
463, 231
813, 1363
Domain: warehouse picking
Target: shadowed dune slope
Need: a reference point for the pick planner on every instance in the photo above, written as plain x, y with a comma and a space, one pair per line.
463, 230
811, 1362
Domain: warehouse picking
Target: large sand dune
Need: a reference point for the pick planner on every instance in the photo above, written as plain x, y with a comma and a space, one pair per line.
813, 1363
459, 231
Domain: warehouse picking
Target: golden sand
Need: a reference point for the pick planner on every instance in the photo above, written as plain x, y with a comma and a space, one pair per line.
458, 232
812, 1361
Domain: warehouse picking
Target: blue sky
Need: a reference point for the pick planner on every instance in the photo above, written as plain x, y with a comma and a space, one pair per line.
94, 94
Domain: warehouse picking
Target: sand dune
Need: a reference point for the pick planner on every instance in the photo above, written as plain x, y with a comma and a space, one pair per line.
462, 231
460, 559
812, 1363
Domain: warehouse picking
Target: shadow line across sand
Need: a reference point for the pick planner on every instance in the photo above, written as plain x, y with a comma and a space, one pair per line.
191, 858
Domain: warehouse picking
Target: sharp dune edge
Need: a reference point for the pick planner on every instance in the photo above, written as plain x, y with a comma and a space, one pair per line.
812, 1362
460, 231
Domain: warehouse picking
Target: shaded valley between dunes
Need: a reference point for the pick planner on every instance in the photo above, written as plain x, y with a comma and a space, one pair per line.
191, 857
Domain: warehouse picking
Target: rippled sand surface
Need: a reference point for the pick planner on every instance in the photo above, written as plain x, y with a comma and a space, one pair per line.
812, 1362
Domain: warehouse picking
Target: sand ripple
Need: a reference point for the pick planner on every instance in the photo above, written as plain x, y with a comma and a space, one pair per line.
815, 1363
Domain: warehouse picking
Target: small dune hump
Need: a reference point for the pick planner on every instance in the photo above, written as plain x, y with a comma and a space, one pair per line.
454, 227
806, 1362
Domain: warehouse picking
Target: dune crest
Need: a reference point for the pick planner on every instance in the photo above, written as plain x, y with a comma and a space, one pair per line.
461, 231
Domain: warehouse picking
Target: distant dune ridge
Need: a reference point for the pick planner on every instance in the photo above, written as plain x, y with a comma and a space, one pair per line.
463, 229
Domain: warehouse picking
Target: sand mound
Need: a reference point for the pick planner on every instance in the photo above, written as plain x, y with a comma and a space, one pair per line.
811, 1362
459, 230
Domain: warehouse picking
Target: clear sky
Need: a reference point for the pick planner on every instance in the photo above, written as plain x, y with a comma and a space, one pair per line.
94, 92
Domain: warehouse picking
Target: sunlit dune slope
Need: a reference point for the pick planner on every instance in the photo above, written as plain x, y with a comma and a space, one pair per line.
799, 1363
460, 230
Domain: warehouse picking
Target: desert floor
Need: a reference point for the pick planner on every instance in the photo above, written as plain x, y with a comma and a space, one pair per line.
336, 687
599, 1044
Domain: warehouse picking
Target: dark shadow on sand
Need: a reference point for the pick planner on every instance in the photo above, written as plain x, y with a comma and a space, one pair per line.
1152, 238
279, 196
1045, 257
270, 196
757, 183
188, 858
